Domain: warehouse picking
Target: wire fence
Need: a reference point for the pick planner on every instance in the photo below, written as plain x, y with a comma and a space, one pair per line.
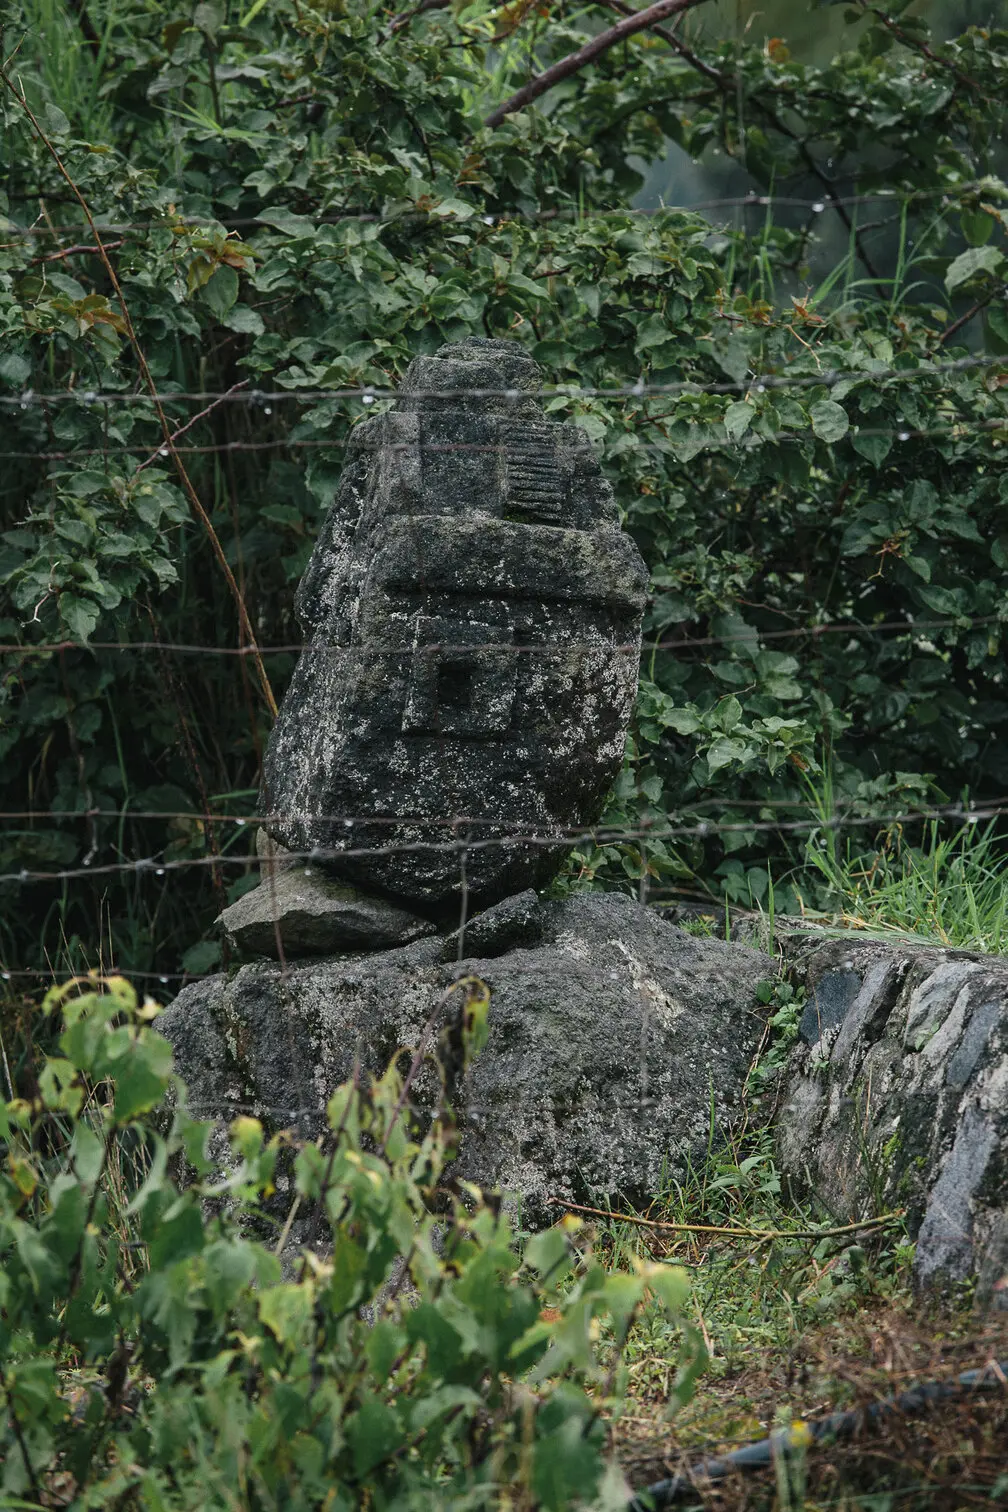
466, 840
467, 844
909, 625
461, 836
281, 218
953, 430
640, 388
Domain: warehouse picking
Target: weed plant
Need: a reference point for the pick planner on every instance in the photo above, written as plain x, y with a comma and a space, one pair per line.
951, 889
403, 1355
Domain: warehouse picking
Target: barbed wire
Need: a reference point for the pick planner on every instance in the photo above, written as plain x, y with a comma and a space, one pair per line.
957, 429
817, 203
661, 643
599, 836
373, 393
281, 816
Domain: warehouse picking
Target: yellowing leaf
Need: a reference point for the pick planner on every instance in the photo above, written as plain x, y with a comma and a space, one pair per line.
286, 1309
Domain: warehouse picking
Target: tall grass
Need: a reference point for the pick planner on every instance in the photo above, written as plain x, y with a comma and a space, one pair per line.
71, 62
952, 889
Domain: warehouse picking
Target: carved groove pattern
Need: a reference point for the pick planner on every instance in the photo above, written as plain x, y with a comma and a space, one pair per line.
534, 480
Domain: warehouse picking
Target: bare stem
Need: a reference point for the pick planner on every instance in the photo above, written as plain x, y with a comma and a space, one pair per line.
728, 1230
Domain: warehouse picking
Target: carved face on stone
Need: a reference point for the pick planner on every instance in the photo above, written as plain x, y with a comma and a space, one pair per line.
472, 613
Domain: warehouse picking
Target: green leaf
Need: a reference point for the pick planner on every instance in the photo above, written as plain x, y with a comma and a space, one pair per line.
432, 1405
738, 418
208, 18
671, 1285
55, 120
142, 1077
683, 721
201, 958
349, 1264
246, 321
453, 209
549, 1253
874, 448
88, 1152
291, 225
594, 426
80, 615
384, 1345
15, 369
287, 1310
374, 1432
653, 331
728, 713
996, 327
724, 751
970, 263
977, 226
221, 291
829, 420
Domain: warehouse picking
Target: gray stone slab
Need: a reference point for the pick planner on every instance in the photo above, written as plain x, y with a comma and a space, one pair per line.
945, 1237
973, 1043
301, 912
834, 993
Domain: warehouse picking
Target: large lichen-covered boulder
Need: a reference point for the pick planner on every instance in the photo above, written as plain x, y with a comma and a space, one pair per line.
472, 612
897, 1096
610, 1031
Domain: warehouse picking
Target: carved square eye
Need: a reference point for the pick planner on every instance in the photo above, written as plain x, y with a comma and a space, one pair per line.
454, 686
462, 679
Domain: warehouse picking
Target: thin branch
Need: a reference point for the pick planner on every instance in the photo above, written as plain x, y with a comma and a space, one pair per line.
574, 62
221, 399
669, 37
965, 318
828, 189
73, 252
730, 1231
145, 372
919, 47
418, 10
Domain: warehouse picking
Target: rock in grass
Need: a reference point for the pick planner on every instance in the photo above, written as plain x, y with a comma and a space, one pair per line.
898, 1097
610, 1033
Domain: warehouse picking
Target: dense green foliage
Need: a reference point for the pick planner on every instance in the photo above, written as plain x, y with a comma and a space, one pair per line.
151, 1359
301, 198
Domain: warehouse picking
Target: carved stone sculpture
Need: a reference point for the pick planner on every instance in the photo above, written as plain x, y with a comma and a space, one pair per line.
472, 616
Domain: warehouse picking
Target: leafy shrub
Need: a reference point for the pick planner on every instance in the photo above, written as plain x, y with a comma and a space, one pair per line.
404, 1356
300, 200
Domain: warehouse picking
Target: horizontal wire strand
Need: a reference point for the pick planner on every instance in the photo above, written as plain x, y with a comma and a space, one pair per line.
640, 388
818, 203
599, 836
281, 816
293, 648
750, 441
